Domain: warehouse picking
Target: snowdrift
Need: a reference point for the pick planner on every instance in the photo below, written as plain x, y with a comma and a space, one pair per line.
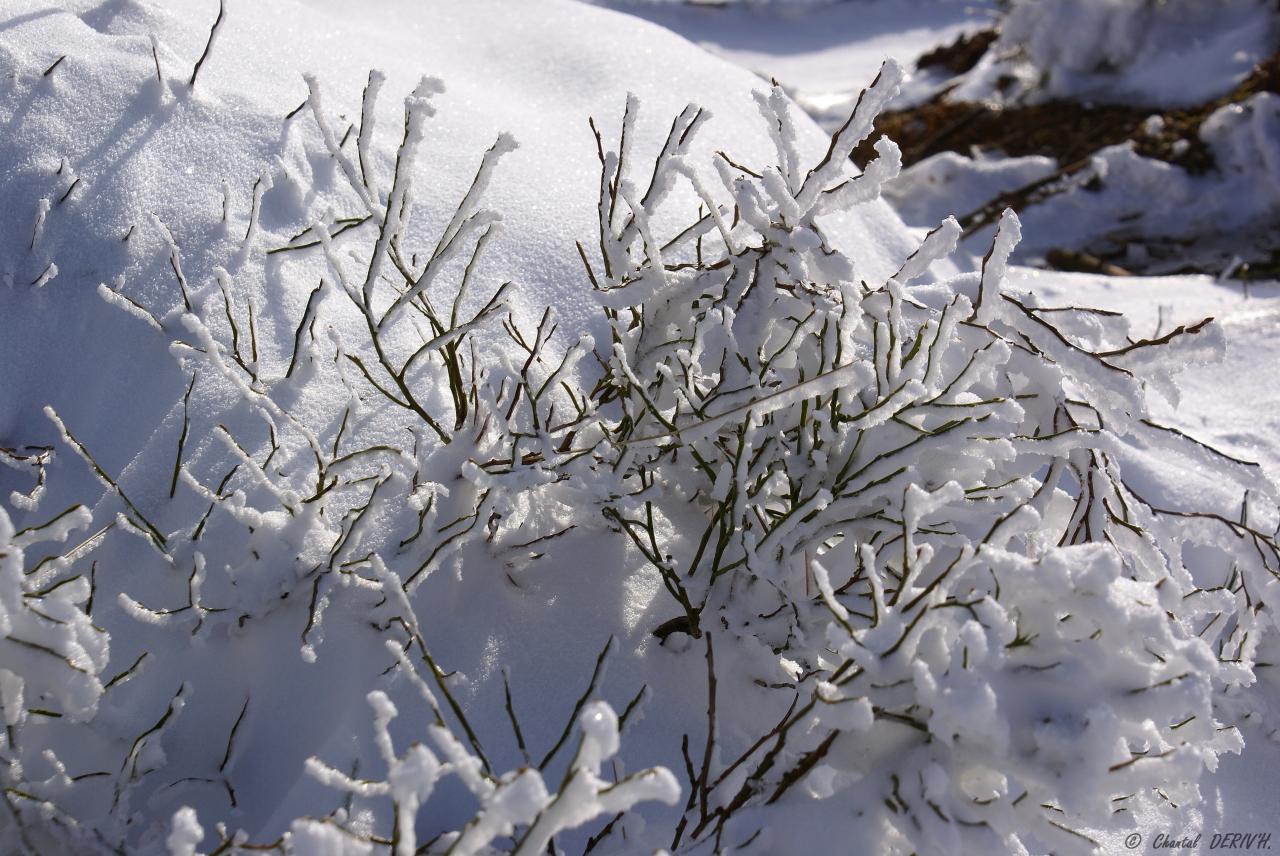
205, 164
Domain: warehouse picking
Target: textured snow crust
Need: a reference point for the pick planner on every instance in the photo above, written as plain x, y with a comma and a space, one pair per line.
365, 550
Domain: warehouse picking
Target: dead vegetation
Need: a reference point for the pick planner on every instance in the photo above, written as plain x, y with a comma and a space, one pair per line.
961, 55
1071, 133
1066, 131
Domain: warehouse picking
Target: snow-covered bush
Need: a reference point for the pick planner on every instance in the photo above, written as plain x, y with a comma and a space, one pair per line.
919, 576
1153, 51
335, 505
913, 496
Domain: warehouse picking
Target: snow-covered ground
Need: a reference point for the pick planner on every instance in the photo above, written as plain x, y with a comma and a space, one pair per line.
823, 52
398, 462
1175, 52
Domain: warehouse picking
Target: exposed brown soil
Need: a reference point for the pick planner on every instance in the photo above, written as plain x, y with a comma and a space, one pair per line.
1071, 132
1067, 131
1080, 262
1254, 258
961, 55
1063, 130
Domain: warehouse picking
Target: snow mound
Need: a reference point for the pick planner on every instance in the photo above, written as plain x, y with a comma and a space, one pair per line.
432, 489
99, 149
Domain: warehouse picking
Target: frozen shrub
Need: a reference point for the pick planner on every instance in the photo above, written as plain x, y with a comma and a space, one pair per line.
896, 520
913, 492
339, 479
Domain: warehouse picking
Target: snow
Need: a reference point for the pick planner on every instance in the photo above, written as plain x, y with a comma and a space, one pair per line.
822, 52
1171, 53
317, 536
1230, 403
1230, 210
174, 161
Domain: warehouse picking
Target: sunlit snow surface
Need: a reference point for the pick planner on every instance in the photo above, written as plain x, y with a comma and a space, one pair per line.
91, 151
822, 51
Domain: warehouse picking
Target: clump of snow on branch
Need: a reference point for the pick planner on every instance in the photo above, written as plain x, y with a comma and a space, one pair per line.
52, 651
519, 800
